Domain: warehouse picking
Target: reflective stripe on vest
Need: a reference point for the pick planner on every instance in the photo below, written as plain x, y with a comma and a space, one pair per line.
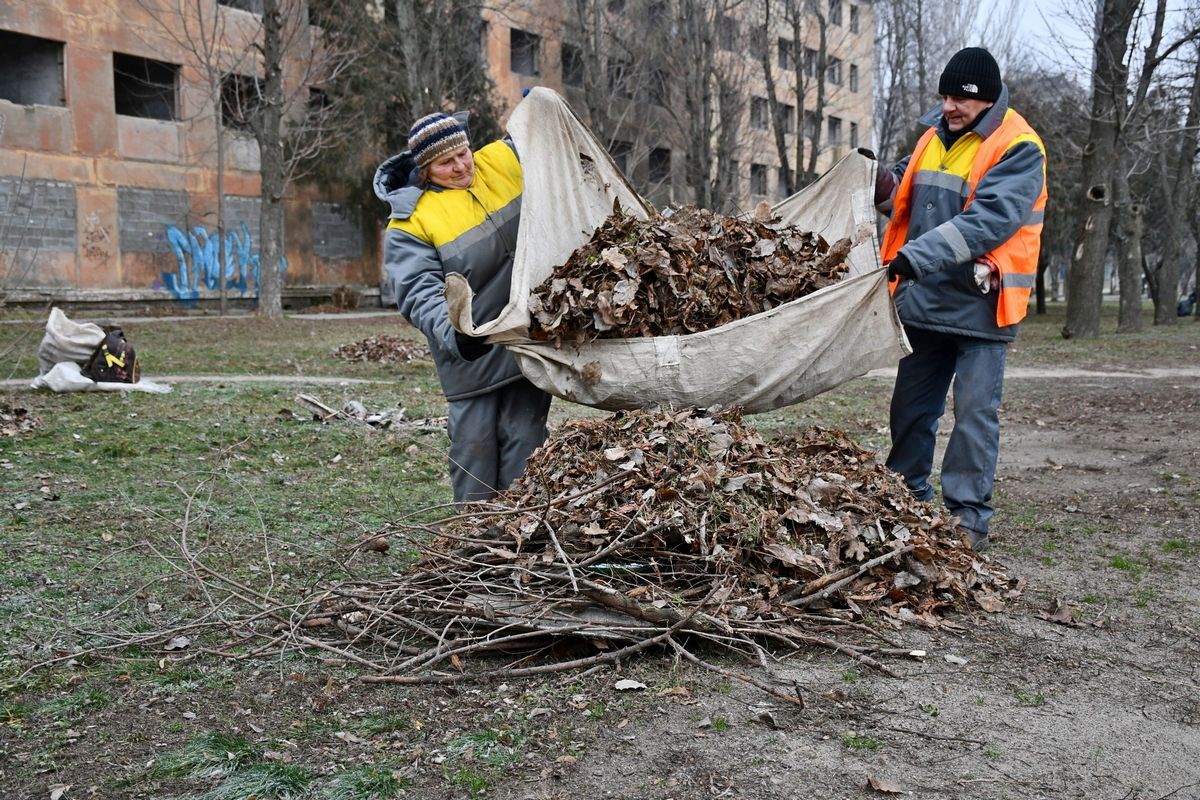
1017, 258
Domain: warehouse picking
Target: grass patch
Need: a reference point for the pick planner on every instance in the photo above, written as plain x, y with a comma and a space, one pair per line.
855, 742
209, 755
1180, 547
1029, 698
366, 782
495, 748
271, 781
1125, 563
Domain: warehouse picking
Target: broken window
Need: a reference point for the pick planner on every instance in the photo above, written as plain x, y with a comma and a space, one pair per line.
253, 6
758, 180
31, 70
523, 52
659, 165
145, 88
241, 101
572, 65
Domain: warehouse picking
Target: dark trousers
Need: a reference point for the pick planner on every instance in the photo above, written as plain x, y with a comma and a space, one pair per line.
976, 367
491, 437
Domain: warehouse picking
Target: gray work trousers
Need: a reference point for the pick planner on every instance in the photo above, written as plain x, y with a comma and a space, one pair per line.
491, 437
976, 368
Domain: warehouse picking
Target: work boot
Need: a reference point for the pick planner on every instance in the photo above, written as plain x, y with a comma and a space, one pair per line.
976, 540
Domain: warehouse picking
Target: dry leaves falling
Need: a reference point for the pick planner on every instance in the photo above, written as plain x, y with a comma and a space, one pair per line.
682, 271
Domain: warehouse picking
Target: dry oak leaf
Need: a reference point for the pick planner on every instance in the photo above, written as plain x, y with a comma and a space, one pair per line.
886, 787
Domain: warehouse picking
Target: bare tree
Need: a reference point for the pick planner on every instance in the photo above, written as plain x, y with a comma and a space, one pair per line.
660, 78
1109, 81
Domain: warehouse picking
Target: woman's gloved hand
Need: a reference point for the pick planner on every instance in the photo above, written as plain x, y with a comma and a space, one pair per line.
471, 348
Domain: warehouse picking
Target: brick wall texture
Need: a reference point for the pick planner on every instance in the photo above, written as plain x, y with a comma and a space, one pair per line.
144, 215
37, 215
336, 231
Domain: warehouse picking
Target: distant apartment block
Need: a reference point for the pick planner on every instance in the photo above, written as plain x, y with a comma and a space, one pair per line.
108, 163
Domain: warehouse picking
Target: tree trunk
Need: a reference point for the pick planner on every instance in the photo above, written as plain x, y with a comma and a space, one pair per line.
776, 123
269, 133
1129, 252
1166, 284
1086, 279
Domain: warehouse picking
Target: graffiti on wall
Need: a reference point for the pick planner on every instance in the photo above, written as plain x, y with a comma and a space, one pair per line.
198, 254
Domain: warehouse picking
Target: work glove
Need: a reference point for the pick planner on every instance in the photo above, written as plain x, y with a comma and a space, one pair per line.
899, 267
987, 275
863, 151
471, 348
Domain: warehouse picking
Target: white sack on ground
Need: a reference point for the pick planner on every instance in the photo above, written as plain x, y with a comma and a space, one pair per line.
64, 350
67, 340
767, 361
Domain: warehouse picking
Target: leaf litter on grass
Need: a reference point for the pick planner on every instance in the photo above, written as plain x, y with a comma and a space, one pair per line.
384, 348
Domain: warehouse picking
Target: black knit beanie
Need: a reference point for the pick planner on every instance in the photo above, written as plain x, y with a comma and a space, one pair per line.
972, 72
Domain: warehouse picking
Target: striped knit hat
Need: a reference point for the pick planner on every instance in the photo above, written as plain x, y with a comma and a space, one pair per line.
433, 136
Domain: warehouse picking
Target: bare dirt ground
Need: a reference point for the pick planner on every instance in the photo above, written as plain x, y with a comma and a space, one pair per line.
1088, 687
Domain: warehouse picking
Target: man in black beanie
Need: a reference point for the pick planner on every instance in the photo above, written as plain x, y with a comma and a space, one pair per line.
961, 250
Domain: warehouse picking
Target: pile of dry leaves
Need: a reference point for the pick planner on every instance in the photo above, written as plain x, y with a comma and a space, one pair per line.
667, 528
17, 420
385, 348
684, 270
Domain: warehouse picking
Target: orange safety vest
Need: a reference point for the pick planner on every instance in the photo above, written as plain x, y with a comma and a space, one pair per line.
1017, 258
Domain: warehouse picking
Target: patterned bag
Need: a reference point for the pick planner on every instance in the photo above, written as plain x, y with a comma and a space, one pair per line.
114, 361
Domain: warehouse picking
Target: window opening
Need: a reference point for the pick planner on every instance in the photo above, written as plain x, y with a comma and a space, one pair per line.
523, 55
758, 180
659, 165
835, 130
241, 100
620, 155
145, 88
572, 65
253, 6
758, 113
31, 70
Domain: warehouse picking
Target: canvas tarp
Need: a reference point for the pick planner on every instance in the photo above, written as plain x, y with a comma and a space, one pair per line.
759, 363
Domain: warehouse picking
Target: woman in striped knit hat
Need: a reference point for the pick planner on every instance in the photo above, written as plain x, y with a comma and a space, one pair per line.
457, 211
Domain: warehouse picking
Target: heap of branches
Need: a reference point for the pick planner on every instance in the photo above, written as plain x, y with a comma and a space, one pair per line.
652, 530
682, 271
665, 529
384, 348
